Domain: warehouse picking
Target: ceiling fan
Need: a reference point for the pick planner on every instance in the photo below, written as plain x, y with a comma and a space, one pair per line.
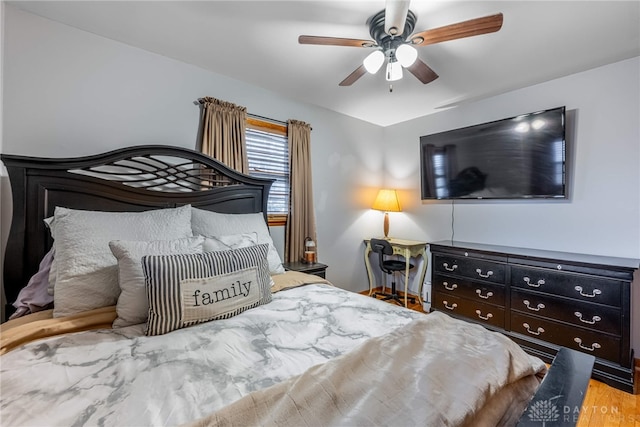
394, 41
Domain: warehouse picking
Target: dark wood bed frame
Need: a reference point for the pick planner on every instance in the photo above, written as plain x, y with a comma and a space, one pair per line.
130, 179
158, 176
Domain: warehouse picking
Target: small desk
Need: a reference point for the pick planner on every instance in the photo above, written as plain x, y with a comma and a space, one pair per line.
408, 249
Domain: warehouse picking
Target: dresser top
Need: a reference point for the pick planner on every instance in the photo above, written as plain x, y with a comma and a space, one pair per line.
542, 254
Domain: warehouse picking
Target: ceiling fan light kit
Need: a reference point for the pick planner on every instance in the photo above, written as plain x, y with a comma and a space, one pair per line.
399, 48
373, 61
406, 55
394, 71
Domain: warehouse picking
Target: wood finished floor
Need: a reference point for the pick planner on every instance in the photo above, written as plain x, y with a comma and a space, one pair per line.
603, 406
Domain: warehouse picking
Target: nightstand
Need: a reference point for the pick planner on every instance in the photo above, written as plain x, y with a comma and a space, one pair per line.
316, 268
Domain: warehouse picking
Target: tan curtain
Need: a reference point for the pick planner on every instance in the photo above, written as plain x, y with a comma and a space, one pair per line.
223, 132
302, 221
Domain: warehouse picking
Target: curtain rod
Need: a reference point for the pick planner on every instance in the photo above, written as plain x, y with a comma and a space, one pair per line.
199, 101
254, 116
267, 119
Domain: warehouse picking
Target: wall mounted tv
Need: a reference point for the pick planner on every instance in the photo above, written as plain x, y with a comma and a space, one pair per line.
520, 157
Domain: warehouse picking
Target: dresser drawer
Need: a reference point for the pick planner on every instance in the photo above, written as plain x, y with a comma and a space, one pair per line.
469, 267
477, 311
481, 292
591, 342
576, 286
579, 301
593, 316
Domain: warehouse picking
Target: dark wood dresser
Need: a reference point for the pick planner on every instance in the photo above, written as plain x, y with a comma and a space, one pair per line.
542, 300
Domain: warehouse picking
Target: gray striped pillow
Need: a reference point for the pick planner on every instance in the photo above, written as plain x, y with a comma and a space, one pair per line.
187, 289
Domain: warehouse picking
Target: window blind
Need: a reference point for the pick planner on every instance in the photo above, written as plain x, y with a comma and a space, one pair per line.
268, 156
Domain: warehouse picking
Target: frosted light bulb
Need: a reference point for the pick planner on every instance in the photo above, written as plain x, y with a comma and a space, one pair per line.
406, 55
373, 61
394, 71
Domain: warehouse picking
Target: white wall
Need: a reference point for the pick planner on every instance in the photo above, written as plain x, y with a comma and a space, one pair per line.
72, 93
602, 215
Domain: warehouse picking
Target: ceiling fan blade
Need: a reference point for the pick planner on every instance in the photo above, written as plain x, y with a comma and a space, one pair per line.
395, 15
351, 78
335, 41
472, 27
422, 71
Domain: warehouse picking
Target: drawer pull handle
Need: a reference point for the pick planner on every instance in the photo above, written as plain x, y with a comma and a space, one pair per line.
593, 320
449, 307
487, 296
536, 308
452, 268
533, 285
593, 347
489, 273
528, 328
595, 293
487, 317
449, 287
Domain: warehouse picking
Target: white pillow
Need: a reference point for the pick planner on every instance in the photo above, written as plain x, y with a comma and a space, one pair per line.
232, 241
48, 222
211, 224
87, 272
133, 306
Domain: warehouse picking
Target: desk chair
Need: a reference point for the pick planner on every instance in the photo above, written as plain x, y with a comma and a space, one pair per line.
389, 266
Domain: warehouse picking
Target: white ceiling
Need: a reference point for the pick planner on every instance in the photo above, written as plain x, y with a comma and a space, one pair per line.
256, 42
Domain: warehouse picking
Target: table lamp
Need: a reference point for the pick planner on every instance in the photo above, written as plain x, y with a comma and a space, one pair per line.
387, 201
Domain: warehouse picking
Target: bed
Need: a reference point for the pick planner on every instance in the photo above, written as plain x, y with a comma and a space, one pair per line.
171, 308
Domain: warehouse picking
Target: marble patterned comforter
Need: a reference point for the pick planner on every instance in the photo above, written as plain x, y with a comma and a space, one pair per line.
121, 377
434, 371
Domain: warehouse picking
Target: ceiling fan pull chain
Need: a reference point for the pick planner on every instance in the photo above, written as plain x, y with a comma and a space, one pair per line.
390, 88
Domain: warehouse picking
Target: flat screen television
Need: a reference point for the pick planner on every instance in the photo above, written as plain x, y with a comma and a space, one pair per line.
521, 157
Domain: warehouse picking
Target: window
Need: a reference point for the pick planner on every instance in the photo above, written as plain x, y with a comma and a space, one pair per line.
440, 174
268, 156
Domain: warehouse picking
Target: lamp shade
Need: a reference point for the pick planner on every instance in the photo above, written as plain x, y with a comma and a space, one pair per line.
387, 200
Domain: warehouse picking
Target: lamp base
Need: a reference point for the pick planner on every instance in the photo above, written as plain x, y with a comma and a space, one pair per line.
386, 225
309, 257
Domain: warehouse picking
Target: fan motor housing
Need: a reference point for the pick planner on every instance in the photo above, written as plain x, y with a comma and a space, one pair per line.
384, 40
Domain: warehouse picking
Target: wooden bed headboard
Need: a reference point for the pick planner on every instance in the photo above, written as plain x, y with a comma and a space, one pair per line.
131, 179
